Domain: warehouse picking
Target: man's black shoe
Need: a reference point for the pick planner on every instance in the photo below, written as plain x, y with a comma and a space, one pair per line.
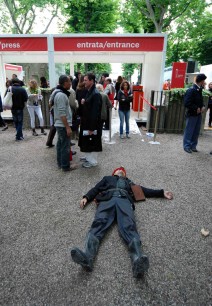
187, 150
194, 150
50, 146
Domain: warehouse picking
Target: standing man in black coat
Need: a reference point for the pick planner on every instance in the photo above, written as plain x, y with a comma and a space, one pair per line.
115, 198
90, 138
193, 101
19, 98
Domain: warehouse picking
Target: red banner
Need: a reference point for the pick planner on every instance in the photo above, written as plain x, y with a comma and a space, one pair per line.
108, 43
13, 67
178, 75
23, 44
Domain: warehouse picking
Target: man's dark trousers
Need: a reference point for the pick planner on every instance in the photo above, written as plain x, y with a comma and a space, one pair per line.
116, 208
18, 121
63, 148
191, 133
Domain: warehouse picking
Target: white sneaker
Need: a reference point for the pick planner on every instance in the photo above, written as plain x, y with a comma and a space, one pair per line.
88, 165
122, 136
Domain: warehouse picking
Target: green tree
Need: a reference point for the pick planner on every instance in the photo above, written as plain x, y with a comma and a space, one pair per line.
128, 70
20, 16
92, 16
191, 37
160, 13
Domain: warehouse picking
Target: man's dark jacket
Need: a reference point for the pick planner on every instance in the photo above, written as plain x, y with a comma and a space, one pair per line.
91, 121
103, 191
193, 100
19, 97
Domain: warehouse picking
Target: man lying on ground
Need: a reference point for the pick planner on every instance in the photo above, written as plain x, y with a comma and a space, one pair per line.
115, 196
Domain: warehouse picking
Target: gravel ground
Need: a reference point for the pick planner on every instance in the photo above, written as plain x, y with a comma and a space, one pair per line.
41, 220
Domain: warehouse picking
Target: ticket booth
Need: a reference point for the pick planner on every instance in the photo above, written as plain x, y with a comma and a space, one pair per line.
137, 94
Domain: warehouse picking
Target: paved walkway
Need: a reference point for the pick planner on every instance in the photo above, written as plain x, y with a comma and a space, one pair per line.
40, 220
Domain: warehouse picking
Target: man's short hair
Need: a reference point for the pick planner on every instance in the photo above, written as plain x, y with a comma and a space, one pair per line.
91, 76
62, 79
15, 81
201, 77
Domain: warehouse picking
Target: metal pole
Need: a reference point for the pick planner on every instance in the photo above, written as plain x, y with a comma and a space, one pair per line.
156, 124
110, 117
139, 103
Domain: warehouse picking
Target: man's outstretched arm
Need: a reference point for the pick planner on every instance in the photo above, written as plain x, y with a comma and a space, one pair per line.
157, 193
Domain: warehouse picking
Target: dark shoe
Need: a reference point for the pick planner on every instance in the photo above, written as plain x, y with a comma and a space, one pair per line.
83, 158
73, 152
5, 128
43, 132
194, 150
187, 150
72, 167
34, 133
85, 259
211, 152
50, 146
140, 262
19, 139
82, 259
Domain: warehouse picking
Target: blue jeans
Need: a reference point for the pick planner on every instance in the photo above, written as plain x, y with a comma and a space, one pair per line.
18, 116
191, 133
124, 115
63, 148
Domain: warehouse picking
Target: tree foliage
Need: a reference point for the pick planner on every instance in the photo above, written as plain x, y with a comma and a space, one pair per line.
92, 16
187, 23
156, 15
21, 16
191, 37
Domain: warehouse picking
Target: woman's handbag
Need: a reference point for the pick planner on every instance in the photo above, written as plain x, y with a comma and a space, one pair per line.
7, 100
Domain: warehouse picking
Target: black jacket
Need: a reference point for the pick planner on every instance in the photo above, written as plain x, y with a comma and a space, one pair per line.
193, 100
124, 101
91, 121
19, 97
102, 191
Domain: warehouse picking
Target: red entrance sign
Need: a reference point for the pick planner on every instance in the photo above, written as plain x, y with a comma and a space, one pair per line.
23, 44
108, 44
178, 75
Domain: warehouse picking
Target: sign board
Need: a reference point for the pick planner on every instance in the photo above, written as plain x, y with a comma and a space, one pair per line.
101, 44
13, 69
178, 75
23, 44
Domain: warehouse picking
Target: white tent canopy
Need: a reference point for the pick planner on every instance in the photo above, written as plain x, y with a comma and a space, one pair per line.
148, 49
